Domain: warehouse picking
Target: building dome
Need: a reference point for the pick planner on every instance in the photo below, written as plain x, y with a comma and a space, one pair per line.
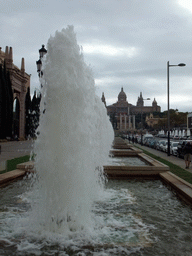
122, 96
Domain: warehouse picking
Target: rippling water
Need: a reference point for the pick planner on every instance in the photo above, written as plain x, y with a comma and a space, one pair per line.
131, 218
127, 161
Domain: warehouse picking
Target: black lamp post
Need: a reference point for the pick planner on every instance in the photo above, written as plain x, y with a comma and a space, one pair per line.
42, 52
142, 122
168, 112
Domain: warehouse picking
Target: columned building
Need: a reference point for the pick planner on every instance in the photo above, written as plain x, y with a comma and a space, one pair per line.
122, 113
20, 82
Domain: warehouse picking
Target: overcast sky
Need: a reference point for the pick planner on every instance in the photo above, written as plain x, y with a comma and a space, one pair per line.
126, 42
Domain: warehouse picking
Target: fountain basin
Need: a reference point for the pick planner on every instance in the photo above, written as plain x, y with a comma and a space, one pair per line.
131, 151
151, 168
133, 218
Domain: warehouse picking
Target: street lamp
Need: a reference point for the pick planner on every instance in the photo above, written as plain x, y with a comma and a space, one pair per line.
42, 52
142, 122
168, 112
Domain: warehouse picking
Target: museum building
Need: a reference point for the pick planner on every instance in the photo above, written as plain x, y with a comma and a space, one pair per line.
122, 113
20, 82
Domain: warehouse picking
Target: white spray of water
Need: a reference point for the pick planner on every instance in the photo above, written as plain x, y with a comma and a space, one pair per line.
75, 138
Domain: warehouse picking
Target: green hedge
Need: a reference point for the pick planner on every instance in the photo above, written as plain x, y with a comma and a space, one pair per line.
12, 164
177, 170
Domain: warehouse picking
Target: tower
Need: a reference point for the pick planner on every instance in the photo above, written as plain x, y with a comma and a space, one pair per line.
140, 101
103, 99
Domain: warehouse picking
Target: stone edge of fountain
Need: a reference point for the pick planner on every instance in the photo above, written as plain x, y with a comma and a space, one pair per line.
20, 172
157, 170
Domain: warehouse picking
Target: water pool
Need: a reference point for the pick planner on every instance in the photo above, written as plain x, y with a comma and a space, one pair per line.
131, 218
127, 161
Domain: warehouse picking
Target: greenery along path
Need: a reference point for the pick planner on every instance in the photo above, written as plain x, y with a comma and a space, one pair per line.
177, 170
12, 164
180, 172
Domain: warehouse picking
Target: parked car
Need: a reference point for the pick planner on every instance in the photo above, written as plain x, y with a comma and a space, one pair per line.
176, 137
173, 147
164, 146
152, 143
158, 145
180, 148
147, 135
147, 140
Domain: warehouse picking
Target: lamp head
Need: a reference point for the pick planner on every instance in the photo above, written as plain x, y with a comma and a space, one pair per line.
39, 64
42, 51
181, 64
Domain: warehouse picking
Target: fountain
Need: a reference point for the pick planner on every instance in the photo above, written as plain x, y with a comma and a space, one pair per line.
75, 137
67, 208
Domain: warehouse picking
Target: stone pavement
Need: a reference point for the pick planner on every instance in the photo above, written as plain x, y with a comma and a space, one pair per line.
14, 149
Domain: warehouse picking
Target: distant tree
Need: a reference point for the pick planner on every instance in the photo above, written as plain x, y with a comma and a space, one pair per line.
28, 116
140, 121
177, 119
35, 113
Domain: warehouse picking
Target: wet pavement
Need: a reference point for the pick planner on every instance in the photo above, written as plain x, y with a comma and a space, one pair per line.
14, 149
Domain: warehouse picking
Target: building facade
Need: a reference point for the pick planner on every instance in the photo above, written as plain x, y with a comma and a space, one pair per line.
152, 121
20, 82
122, 113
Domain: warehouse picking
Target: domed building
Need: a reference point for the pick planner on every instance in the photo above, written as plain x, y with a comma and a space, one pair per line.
122, 96
122, 113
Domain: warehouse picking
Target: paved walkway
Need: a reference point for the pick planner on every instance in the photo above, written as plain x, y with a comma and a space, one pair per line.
173, 159
14, 149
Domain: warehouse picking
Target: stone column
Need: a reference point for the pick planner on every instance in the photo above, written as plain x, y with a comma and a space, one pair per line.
133, 121
120, 122
125, 118
129, 121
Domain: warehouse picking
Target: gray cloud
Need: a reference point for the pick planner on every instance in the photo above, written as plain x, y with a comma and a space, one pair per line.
127, 43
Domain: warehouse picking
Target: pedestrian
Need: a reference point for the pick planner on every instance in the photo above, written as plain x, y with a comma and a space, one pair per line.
187, 157
133, 139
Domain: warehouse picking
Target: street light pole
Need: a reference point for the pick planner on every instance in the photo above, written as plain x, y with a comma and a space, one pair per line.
142, 121
42, 52
168, 110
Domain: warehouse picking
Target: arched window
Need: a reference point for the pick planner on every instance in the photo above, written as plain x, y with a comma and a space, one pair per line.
16, 115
